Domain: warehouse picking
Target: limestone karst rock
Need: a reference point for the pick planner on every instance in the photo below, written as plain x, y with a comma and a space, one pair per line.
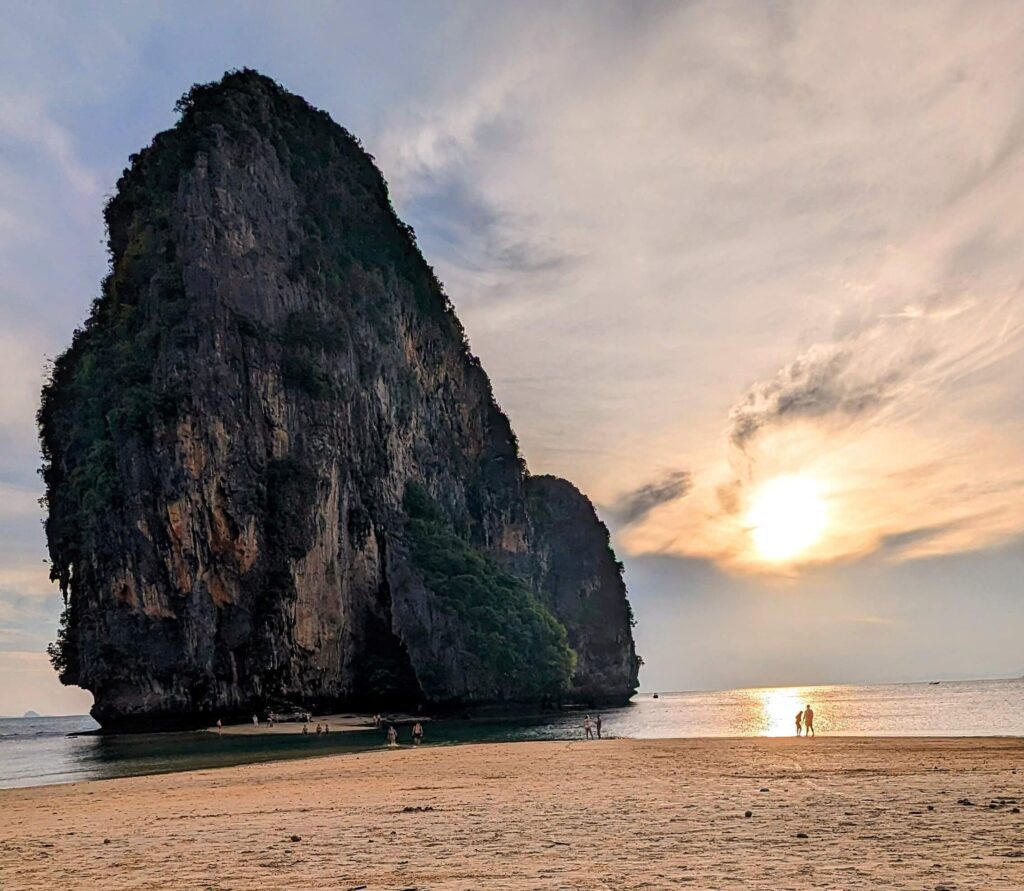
276, 473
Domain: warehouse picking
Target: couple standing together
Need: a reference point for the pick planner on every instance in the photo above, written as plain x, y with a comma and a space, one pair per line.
805, 719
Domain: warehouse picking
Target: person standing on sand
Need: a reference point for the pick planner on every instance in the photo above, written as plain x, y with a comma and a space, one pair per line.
808, 721
597, 726
255, 721
588, 733
392, 736
799, 721
220, 726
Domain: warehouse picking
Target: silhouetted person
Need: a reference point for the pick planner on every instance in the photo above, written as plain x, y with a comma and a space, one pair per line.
327, 728
319, 728
305, 729
417, 733
586, 727
799, 722
808, 721
220, 726
255, 721
597, 726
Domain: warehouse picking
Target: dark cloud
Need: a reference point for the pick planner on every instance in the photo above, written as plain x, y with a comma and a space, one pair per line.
636, 505
825, 381
454, 220
898, 541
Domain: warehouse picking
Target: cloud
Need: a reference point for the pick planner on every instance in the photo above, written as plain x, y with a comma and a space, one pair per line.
24, 119
896, 542
823, 383
636, 505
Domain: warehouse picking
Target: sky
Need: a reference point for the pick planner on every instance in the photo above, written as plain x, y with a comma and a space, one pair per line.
749, 273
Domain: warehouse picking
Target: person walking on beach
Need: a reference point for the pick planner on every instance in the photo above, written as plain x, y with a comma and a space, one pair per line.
417, 733
586, 727
392, 735
799, 722
597, 726
808, 721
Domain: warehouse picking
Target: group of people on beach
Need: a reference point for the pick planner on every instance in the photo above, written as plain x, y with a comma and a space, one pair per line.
320, 728
307, 719
591, 728
417, 732
805, 721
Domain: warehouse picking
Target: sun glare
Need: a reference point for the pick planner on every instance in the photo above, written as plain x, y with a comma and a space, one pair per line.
787, 517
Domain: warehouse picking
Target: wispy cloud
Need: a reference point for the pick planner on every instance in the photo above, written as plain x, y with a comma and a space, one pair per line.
24, 120
635, 505
824, 383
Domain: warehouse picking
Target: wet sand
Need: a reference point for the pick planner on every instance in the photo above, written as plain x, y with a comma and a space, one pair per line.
339, 723
336, 723
824, 813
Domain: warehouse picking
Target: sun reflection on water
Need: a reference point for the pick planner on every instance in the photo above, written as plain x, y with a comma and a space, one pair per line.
776, 710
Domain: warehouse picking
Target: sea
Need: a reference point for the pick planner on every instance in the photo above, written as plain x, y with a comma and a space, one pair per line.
43, 751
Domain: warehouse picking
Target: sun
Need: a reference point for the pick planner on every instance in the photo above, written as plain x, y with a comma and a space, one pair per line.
787, 516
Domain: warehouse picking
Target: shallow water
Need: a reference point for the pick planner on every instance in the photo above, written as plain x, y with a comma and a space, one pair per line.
38, 751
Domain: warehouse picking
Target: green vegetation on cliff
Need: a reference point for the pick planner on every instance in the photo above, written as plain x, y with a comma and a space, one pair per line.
513, 638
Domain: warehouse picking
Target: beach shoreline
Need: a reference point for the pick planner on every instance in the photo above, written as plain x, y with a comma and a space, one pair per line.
830, 812
345, 722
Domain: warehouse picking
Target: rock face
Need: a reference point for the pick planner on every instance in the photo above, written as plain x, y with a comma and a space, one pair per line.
232, 439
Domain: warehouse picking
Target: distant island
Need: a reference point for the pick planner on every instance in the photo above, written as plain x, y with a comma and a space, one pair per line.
31, 714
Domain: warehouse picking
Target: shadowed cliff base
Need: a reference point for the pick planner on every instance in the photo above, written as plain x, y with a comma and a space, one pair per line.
229, 445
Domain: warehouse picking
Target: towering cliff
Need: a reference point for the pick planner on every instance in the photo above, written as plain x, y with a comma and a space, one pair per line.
274, 470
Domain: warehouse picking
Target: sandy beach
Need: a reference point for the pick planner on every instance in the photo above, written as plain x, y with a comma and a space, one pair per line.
337, 723
825, 813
